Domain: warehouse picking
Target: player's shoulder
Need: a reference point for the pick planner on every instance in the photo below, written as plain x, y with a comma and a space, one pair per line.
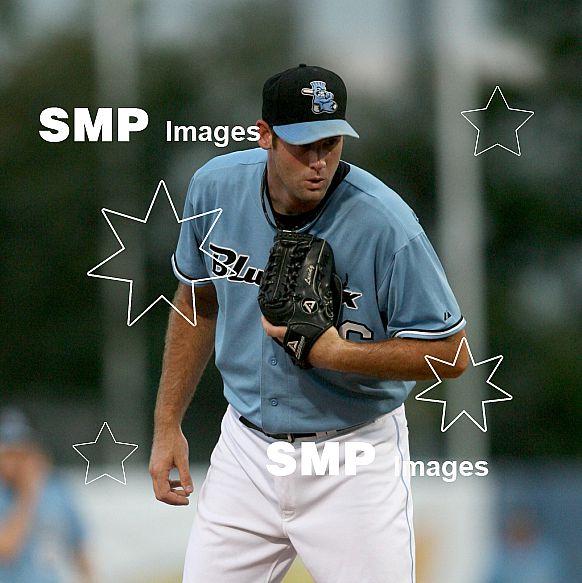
234, 162
378, 202
214, 183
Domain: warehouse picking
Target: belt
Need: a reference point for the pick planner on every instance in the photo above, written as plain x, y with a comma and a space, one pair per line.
291, 437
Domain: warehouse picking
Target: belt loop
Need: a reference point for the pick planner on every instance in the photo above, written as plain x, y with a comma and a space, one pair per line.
290, 438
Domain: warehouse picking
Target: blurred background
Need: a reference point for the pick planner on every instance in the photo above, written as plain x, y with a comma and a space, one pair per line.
508, 229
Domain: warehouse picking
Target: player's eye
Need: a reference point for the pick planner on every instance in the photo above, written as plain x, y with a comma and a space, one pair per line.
332, 142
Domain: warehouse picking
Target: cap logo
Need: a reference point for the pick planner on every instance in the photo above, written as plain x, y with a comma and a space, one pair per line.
322, 101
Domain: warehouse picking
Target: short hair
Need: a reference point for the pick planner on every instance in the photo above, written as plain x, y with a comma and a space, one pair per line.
274, 137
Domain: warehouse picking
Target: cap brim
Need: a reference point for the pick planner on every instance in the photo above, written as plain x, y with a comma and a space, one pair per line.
307, 132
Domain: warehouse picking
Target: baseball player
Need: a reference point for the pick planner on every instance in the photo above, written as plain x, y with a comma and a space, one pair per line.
396, 307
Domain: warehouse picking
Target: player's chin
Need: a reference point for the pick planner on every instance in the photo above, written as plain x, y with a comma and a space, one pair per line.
315, 190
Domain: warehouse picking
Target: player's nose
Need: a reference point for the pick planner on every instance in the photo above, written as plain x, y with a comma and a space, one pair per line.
317, 158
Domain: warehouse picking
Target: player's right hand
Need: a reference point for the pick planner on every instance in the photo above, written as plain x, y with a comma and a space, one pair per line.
169, 451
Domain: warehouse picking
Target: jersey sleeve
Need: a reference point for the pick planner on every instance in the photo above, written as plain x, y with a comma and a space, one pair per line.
188, 260
420, 302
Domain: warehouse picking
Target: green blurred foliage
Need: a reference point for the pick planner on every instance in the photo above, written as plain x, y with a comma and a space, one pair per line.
535, 242
48, 314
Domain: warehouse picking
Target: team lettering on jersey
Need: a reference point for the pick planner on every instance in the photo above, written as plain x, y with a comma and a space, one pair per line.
226, 260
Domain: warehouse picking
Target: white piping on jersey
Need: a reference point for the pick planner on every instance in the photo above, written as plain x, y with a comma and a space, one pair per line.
190, 281
432, 333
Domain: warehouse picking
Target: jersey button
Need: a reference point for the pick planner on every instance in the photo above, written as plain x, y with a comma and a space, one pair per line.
274, 402
273, 361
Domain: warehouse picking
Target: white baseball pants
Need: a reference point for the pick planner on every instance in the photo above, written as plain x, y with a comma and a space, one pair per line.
249, 524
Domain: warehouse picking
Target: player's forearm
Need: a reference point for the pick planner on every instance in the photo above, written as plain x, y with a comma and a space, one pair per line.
397, 358
185, 357
187, 351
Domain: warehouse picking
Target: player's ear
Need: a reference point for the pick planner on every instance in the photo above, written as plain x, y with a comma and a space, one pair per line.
265, 135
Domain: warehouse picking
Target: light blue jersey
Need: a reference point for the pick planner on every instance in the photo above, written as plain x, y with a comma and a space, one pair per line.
395, 287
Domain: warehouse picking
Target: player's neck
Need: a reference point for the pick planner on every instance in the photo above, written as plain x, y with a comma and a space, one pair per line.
285, 205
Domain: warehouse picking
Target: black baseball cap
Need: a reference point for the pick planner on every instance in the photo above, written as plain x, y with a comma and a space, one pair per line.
306, 104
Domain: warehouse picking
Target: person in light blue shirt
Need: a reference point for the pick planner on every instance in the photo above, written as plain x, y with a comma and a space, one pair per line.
41, 533
397, 307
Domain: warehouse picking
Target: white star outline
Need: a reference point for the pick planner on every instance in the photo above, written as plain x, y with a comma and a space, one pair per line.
105, 212
87, 481
518, 153
420, 397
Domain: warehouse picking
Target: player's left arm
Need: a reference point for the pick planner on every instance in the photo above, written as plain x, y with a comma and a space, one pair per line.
394, 358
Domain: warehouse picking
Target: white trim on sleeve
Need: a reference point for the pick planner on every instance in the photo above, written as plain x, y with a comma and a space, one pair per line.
431, 334
188, 280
